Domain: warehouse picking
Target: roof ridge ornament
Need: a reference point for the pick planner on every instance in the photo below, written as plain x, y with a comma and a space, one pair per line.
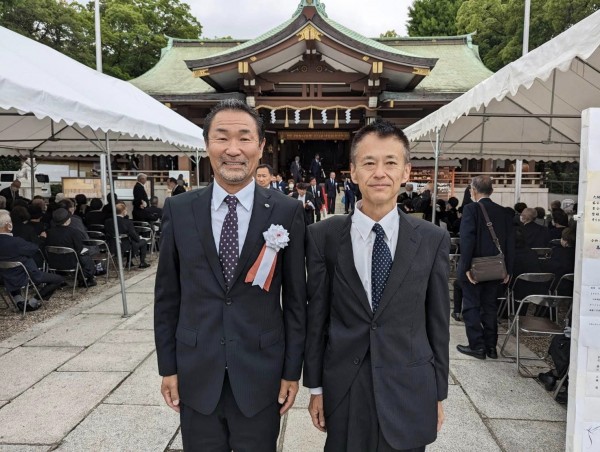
315, 3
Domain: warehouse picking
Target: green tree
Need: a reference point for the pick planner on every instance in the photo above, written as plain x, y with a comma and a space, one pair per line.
389, 34
433, 17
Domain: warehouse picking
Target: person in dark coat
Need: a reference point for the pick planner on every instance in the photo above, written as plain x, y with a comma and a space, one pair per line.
349, 196
317, 194
332, 189
307, 200
11, 193
17, 249
140, 197
316, 170
479, 298
174, 187
94, 214
296, 170
536, 235
134, 242
63, 235
562, 260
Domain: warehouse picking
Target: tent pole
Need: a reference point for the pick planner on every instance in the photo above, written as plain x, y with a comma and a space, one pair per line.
518, 179
197, 168
526, 27
103, 176
32, 173
435, 175
117, 240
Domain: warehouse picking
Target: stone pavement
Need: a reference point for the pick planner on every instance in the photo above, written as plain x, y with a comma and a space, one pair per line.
86, 380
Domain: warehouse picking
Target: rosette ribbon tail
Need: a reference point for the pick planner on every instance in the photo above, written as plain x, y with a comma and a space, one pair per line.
261, 272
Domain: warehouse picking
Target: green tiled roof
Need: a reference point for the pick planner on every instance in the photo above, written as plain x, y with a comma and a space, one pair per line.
458, 68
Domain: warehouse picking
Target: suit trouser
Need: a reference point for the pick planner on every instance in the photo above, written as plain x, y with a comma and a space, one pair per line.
480, 313
51, 281
330, 204
353, 425
227, 429
139, 248
458, 296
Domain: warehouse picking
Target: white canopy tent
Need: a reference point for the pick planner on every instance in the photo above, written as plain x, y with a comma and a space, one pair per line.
529, 109
53, 105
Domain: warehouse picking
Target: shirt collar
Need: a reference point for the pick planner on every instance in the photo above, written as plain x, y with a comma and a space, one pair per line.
364, 224
245, 196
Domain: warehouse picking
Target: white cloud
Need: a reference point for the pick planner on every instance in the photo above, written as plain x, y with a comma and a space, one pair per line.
248, 19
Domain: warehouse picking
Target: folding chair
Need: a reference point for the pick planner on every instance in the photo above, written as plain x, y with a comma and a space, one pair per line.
454, 245
56, 266
508, 303
543, 253
103, 247
535, 326
565, 283
96, 227
147, 234
14, 265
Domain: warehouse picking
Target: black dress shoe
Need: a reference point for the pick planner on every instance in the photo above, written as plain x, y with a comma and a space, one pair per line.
491, 353
548, 379
29, 307
144, 265
466, 350
456, 316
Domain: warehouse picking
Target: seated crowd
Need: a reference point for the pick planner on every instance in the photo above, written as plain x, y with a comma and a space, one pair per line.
27, 228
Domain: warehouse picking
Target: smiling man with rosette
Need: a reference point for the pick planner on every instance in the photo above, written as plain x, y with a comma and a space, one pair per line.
378, 311
230, 297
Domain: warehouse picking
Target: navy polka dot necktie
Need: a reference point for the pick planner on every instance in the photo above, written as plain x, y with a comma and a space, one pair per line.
380, 266
229, 243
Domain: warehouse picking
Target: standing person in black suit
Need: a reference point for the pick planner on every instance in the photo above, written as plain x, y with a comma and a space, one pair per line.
140, 197
174, 187
281, 186
315, 191
296, 170
349, 196
134, 242
409, 193
332, 189
11, 193
316, 170
377, 339
479, 298
229, 333
307, 200
264, 173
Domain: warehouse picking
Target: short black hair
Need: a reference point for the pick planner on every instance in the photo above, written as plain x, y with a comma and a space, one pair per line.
234, 105
80, 199
66, 203
560, 217
569, 235
265, 165
541, 212
383, 129
96, 204
520, 207
453, 201
172, 180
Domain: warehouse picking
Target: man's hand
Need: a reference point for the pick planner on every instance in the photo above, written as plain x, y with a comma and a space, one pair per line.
470, 277
287, 395
315, 408
441, 416
506, 279
170, 391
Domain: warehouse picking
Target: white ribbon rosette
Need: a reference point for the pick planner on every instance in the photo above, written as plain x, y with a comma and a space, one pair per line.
261, 273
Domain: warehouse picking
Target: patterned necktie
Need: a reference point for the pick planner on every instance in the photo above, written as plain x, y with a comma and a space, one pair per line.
380, 266
229, 243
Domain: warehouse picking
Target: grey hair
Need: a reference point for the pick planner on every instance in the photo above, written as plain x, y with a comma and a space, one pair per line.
141, 176
2, 202
4, 218
483, 185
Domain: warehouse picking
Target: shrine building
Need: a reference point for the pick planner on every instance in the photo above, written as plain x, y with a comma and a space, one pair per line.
314, 81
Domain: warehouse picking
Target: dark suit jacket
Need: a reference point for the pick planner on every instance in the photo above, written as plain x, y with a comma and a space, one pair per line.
331, 188
94, 217
125, 227
14, 249
309, 213
64, 236
318, 196
177, 191
296, 171
201, 328
475, 237
139, 195
408, 336
536, 235
8, 194
404, 196
315, 169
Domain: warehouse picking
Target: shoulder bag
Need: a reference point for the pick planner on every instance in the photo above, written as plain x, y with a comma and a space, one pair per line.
489, 268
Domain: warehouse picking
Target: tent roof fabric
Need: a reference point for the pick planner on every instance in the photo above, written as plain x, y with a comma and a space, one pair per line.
530, 109
69, 101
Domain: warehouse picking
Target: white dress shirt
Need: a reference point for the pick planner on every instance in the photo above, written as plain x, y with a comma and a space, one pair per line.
363, 239
219, 211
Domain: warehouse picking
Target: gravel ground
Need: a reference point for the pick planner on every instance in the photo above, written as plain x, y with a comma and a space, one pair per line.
12, 322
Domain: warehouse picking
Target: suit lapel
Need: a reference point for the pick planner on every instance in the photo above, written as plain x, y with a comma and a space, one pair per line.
346, 267
264, 203
201, 207
407, 246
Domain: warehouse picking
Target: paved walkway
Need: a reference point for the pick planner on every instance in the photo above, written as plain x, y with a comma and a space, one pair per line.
86, 380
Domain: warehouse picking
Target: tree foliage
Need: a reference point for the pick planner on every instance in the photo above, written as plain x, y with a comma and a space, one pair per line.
433, 17
133, 31
389, 34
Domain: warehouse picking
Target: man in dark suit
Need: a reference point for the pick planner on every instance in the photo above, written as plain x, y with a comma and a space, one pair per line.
332, 189
479, 298
315, 191
264, 174
307, 200
536, 235
153, 209
281, 185
134, 242
11, 193
140, 197
62, 235
174, 187
316, 170
296, 170
14, 249
409, 193
378, 333
229, 343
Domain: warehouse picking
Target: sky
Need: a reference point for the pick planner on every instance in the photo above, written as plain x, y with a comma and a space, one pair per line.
246, 19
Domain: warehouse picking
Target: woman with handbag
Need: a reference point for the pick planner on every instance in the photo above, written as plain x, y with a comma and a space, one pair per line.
487, 244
